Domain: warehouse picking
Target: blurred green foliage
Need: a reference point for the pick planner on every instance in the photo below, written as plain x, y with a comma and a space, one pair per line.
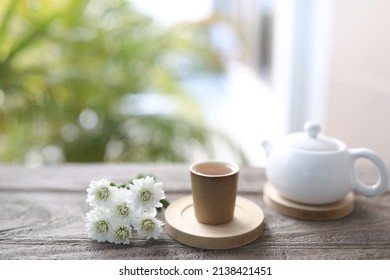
67, 68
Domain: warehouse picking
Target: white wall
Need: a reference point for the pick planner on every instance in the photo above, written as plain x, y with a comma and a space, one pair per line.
358, 111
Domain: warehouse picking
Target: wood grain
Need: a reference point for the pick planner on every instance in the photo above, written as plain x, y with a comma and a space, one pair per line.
42, 216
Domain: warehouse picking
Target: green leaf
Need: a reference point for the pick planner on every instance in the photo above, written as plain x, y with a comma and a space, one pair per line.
31, 37
164, 202
143, 175
7, 16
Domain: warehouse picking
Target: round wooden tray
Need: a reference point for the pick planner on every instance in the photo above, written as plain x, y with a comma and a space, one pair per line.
182, 225
325, 212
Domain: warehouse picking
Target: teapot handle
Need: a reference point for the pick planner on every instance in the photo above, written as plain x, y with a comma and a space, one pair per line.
381, 185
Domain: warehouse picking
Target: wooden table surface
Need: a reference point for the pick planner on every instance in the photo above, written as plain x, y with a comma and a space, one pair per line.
42, 216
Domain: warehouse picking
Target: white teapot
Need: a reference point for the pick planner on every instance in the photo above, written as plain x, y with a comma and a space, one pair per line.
310, 168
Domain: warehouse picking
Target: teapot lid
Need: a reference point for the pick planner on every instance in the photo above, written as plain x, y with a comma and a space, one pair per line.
311, 140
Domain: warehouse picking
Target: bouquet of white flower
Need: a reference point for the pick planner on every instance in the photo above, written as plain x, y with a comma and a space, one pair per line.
117, 210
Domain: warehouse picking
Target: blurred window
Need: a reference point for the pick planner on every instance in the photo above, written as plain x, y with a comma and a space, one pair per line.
253, 20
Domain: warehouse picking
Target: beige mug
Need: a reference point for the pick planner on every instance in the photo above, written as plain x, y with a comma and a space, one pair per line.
214, 191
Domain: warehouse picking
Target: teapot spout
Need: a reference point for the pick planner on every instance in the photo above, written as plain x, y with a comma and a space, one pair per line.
267, 145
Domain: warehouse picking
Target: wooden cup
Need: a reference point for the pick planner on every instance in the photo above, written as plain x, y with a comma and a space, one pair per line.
214, 191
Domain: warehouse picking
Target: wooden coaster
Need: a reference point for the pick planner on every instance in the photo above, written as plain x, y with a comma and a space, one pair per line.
324, 212
182, 225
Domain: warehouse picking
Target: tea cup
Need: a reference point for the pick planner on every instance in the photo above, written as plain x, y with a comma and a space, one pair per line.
214, 191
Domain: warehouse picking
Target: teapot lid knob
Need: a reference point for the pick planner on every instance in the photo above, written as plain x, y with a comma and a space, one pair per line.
312, 129
311, 139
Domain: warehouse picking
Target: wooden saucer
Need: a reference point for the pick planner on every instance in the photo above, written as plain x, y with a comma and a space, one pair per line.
325, 212
182, 225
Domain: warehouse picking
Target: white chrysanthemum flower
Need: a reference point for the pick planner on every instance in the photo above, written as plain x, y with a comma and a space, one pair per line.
147, 226
100, 193
98, 224
145, 195
121, 208
120, 232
